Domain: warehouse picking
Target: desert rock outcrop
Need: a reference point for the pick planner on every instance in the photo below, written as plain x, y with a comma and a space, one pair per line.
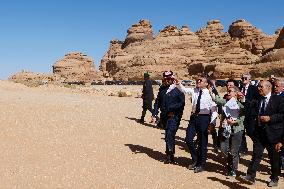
173, 48
186, 52
76, 66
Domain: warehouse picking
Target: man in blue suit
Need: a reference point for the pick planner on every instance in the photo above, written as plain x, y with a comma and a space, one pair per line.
171, 103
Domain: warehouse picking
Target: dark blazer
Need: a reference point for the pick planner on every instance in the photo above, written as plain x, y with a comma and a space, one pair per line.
174, 102
252, 93
275, 110
147, 92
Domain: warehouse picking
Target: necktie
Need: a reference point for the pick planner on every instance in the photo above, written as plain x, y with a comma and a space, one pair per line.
262, 108
244, 90
197, 108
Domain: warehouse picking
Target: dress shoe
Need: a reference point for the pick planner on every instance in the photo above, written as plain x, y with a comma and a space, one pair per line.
169, 159
198, 169
142, 121
248, 179
231, 174
192, 166
272, 183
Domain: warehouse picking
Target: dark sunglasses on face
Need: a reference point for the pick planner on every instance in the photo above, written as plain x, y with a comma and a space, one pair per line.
244, 78
230, 91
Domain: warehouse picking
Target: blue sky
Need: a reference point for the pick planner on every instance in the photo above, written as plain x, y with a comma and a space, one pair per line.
36, 33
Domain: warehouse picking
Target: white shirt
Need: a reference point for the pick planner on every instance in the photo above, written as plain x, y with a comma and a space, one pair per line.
207, 105
246, 89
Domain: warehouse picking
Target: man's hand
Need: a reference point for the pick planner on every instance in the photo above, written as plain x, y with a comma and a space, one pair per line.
240, 96
171, 114
278, 146
264, 119
211, 128
231, 121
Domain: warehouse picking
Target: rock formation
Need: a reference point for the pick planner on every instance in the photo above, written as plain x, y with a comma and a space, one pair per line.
186, 52
272, 62
172, 48
76, 66
139, 32
250, 37
244, 48
33, 79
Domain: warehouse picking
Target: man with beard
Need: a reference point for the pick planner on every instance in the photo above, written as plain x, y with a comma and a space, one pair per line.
171, 102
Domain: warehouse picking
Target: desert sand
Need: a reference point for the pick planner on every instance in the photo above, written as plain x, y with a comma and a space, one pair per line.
58, 138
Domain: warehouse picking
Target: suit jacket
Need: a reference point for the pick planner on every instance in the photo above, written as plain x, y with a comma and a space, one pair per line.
173, 101
275, 110
251, 95
252, 92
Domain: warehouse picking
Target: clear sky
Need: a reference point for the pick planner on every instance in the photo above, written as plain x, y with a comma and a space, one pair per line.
34, 34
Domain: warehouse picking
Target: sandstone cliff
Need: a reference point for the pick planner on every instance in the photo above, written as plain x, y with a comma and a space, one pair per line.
188, 53
173, 48
76, 66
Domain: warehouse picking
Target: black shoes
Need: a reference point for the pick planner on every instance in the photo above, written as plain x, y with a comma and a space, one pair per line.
272, 183
231, 174
198, 169
169, 159
192, 166
195, 168
248, 179
141, 121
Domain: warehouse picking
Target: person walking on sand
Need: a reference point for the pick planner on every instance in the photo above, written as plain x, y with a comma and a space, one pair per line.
147, 96
171, 102
204, 113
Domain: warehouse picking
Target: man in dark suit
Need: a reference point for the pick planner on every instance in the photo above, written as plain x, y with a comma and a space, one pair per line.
171, 103
278, 90
268, 132
250, 92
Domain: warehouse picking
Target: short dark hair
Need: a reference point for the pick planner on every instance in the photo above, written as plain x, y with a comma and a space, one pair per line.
231, 80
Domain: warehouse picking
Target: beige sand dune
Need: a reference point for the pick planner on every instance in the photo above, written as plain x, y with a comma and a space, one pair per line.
61, 139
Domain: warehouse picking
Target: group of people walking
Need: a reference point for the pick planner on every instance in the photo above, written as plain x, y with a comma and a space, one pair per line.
255, 111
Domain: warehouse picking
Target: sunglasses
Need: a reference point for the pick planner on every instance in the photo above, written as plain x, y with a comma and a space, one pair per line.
230, 91
244, 78
199, 80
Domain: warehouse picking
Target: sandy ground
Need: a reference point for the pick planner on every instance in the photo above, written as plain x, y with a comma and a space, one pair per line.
60, 139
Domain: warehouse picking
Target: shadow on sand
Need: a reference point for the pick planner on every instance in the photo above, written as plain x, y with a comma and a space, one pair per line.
230, 184
217, 166
143, 124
